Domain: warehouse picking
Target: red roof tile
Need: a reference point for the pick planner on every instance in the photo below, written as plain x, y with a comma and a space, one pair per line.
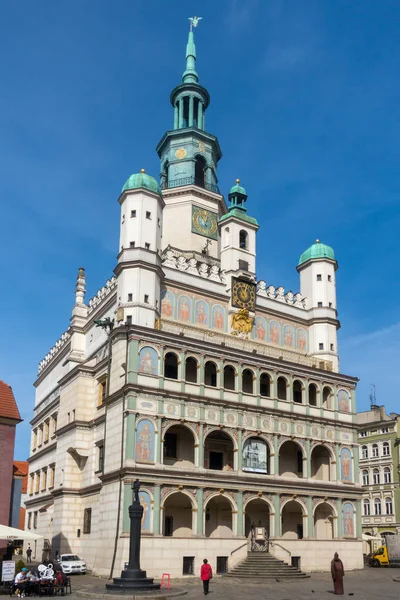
20, 469
8, 406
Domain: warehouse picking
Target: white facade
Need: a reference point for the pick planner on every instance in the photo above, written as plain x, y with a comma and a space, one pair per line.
210, 387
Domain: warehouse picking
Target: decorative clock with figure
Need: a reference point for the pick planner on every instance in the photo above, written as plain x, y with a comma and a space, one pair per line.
205, 222
243, 294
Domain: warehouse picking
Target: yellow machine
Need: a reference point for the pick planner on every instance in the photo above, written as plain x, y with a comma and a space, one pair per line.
380, 558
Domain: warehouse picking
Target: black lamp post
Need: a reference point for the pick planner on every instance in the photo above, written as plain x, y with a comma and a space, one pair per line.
133, 578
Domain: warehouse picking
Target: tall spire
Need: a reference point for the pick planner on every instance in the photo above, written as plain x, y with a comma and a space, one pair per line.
190, 73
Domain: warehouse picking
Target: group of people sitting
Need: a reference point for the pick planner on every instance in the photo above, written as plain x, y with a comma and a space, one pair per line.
30, 582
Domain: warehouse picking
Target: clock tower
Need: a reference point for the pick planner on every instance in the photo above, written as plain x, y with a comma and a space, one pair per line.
189, 157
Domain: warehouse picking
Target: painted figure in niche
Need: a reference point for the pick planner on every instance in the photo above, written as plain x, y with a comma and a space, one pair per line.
343, 401
301, 339
288, 336
260, 329
145, 441
348, 519
148, 360
167, 307
202, 313
274, 332
184, 308
144, 500
346, 466
218, 318
230, 418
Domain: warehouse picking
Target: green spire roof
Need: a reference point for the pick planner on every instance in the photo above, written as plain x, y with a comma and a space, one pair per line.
190, 73
142, 180
237, 198
317, 250
238, 189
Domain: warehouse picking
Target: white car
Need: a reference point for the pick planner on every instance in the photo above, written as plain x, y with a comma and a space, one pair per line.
71, 563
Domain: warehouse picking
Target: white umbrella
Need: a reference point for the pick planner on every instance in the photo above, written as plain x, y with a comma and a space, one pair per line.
11, 533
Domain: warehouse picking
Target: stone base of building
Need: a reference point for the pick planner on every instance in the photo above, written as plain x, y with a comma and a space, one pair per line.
166, 554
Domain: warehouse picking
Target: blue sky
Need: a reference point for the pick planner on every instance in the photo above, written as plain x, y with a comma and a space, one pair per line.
304, 100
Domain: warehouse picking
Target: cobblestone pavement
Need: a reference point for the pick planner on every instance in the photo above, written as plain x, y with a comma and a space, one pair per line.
369, 584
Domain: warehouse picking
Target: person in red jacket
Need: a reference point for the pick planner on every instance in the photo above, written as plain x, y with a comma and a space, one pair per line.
205, 575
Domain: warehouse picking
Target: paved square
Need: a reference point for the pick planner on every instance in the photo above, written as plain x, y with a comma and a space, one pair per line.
369, 584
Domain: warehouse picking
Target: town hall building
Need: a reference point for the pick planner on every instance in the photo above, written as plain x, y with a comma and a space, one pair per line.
219, 391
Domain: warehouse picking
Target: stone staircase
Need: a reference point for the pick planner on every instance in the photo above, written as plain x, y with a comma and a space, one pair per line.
262, 565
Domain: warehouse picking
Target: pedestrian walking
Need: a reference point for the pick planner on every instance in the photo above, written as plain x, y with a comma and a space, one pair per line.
29, 554
337, 571
205, 575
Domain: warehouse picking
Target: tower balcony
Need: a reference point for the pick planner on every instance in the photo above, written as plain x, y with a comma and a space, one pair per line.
211, 187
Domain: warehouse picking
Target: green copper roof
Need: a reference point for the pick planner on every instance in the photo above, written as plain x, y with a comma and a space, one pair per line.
142, 180
238, 189
190, 73
239, 214
317, 250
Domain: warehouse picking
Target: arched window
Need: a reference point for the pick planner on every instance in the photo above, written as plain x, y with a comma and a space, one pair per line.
191, 370
387, 477
312, 394
365, 477
375, 477
388, 506
265, 385
377, 506
171, 366
247, 381
367, 508
200, 171
243, 239
327, 398
210, 374
364, 452
297, 391
282, 388
375, 451
386, 449
229, 377
165, 174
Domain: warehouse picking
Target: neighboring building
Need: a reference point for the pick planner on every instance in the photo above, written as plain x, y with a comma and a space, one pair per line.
9, 419
378, 436
19, 493
219, 391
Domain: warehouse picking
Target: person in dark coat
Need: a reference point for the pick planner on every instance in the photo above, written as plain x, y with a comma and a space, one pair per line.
337, 571
205, 575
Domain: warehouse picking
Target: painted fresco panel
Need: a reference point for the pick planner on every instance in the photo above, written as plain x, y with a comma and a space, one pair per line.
218, 317
184, 308
346, 467
145, 441
167, 303
301, 339
260, 329
148, 361
288, 336
348, 519
274, 332
202, 313
343, 401
144, 499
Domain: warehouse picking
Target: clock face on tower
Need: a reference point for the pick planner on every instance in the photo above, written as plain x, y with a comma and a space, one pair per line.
243, 294
204, 222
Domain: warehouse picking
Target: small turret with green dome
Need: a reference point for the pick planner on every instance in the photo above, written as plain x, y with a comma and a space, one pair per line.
237, 197
142, 180
317, 251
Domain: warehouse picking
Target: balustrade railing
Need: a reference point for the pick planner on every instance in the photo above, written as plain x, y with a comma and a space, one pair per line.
211, 187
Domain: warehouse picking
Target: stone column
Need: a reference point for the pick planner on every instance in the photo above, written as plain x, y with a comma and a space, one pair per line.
176, 116
310, 518
340, 518
201, 446
133, 361
200, 511
359, 519
276, 455
356, 471
337, 453
277, 506
157, 507
240, 451
239, 502
308, 459
180, 113
159, 440
130, 436
200, 116
191, 106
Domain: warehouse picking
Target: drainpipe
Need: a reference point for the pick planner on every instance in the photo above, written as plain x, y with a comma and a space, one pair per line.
122, 462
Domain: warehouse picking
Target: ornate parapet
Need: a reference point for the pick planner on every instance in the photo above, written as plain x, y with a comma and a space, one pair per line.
278, 294
65, 337
102, 293
193, 263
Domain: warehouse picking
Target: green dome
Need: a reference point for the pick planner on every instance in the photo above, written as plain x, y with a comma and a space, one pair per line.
317, 250
142, 180
238, 189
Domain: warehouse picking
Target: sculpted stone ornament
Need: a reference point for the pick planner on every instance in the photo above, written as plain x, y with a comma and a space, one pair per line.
241, 323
